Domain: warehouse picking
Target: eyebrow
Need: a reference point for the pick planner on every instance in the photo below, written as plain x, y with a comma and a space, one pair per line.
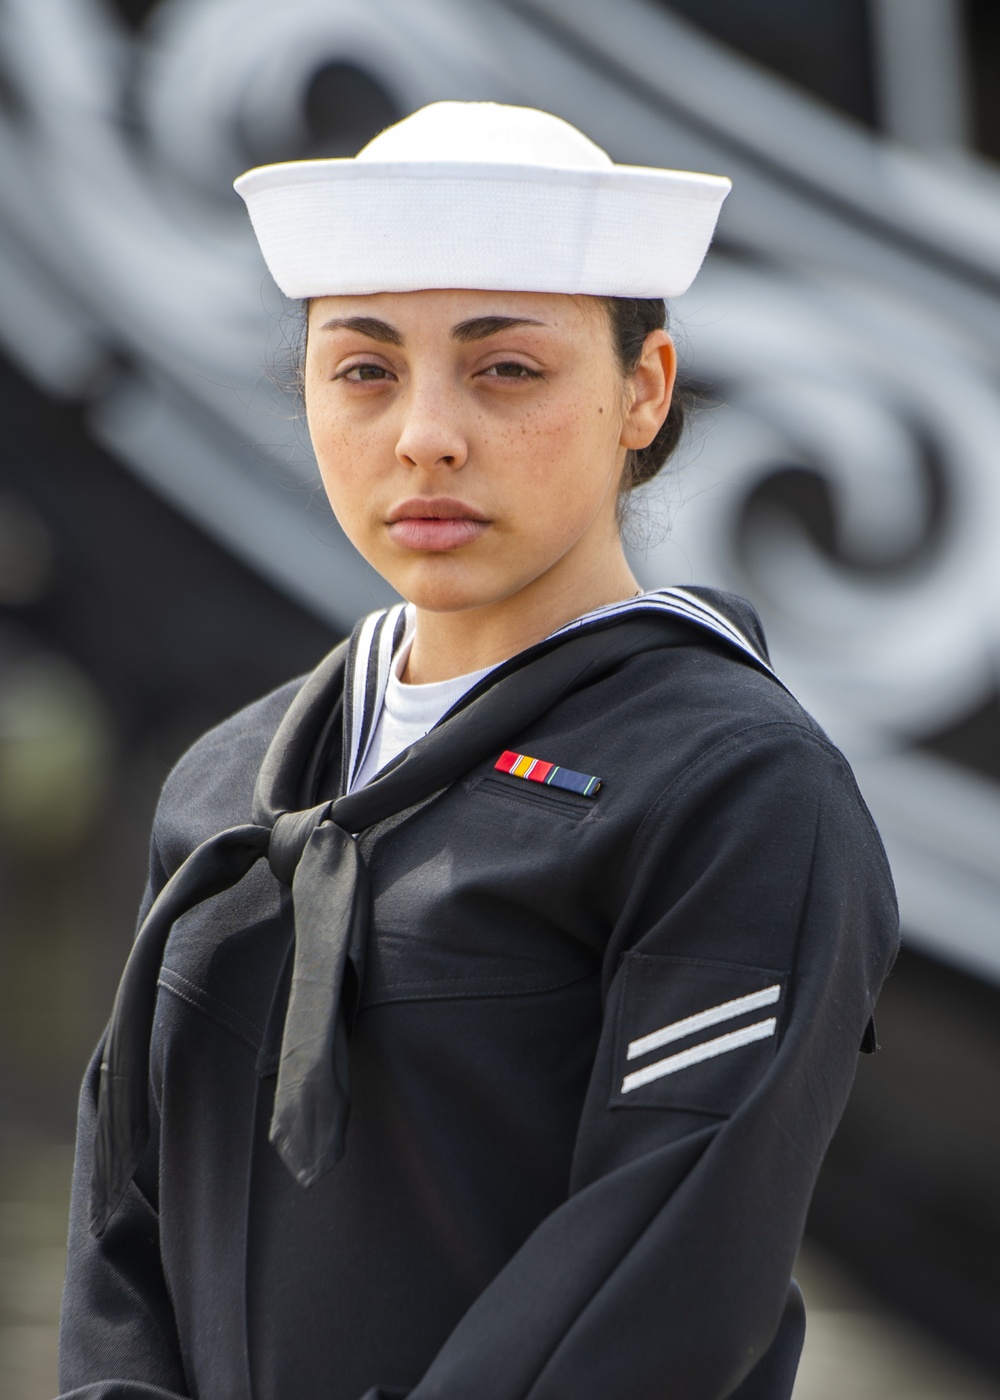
482, 326
477, 328
370, 326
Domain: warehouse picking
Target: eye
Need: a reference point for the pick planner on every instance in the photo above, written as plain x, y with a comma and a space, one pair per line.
363, 374
511, 369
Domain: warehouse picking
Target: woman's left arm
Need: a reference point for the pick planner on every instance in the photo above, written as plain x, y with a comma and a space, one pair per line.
758, 922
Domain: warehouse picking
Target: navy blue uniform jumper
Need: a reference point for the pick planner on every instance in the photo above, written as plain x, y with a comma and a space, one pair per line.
593, 1048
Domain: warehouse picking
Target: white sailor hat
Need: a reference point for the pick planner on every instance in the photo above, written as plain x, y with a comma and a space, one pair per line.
480, 195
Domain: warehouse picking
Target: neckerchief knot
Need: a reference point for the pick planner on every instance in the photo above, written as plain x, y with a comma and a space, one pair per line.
289, 837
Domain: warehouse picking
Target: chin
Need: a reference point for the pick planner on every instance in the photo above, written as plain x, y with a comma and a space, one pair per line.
441, 590
447, 599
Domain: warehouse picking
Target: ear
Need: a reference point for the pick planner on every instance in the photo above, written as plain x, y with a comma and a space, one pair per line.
651, 388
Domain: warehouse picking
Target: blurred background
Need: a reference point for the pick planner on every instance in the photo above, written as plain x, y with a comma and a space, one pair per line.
165, 554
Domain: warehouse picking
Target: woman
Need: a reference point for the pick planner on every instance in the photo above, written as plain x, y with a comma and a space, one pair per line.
513, 966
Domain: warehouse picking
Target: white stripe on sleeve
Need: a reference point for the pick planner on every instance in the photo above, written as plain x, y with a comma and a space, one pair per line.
707, 1050
725, 1011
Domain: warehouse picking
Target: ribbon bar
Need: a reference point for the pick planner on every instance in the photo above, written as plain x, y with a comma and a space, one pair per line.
536, 770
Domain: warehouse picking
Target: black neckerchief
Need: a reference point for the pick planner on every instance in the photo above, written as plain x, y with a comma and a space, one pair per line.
314, 852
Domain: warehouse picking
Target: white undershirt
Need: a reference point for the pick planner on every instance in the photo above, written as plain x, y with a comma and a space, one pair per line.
409, 711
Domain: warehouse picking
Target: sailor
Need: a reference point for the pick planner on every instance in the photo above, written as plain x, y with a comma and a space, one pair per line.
498, 986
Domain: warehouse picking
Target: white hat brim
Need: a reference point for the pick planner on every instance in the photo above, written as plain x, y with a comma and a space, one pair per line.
348, 227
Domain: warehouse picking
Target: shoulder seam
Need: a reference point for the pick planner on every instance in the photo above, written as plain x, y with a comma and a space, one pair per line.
726, 741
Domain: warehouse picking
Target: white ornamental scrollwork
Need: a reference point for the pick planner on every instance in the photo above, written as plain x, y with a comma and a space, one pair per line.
894, 633
224, 80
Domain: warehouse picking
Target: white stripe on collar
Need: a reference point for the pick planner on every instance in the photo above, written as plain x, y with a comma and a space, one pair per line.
379, 635
369, 663
681, 603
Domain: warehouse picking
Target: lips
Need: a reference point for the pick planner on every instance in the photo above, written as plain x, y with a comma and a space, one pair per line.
435, 524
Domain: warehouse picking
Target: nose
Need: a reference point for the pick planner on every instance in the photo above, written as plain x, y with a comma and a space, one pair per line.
431, 437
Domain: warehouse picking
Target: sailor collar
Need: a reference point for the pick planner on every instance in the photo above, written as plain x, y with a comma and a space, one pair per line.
378, 637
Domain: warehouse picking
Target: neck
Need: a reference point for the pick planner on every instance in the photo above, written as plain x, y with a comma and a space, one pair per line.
448, 644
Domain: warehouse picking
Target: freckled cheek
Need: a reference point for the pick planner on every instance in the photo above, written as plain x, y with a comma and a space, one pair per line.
333, 432
538, 430
582, 415
344, 450
544, 438
347, 476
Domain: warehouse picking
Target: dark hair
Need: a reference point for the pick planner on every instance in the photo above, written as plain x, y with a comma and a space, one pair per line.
632, 319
